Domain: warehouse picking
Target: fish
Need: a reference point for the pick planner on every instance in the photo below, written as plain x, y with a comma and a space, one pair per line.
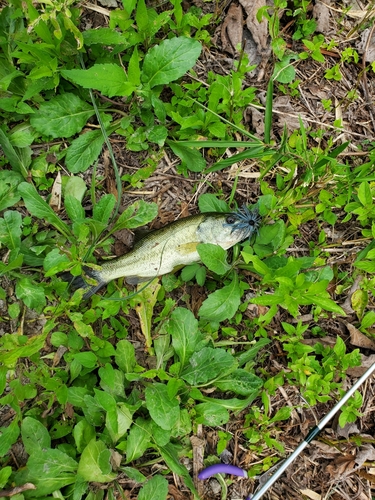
170, 248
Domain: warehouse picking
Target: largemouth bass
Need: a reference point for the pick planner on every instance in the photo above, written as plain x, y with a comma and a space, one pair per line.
172, 247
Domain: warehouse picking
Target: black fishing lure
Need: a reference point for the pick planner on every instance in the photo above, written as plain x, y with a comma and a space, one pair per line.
245, 220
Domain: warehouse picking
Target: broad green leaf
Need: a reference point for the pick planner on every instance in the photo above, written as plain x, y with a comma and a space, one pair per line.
138, 441
87, 359
104, 208
118, 421
62, 116
170, 60
83, 433
214, 257
155, 489
84, 150
186, 338
190, 158
241, 382
211, 414
33, 345
10, 229
34, 435
32, 294
364, 194
125, 356
75, 186
5, 474
74, 209
16, 156
324, 302
222, 304
110, 79
164, 410
210, 203
94, 464
8, 436
134, 72
40, 209
145, 307
138, 214
206, 365
105, 36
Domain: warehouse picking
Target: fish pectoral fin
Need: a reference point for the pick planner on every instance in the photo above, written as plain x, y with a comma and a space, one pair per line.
134, 280
187, 248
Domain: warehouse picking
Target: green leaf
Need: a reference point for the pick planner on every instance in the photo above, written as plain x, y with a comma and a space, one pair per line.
94, 464
170, 60
186, 338
241, 382
5, 474
191, 158
206, 365
32, 294
9, 182
74, 209
133, 68
164, 410
118, 421
211, 414
16, 156
9, 436
169, 453
84, 150
214, 257
125, 356
10, 229
144, 213
105, 36
62, 116
138, 441
87, 359
155, 489
35, 436
103, 209
51, 470
222, 304
76, 187
40, 209
83, 433
110, 79
364, 194
210, 203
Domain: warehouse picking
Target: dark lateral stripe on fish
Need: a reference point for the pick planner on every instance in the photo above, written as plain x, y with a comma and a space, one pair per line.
76, 282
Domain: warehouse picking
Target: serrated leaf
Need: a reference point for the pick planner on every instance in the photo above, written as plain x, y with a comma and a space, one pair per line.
10, 229
191, 158
94, 464
155, 489
207, 364
40, 209
183, 328
110, 79
31, 294
170, 60
164, 410
62, 116
214, 257
222, 304
84, 150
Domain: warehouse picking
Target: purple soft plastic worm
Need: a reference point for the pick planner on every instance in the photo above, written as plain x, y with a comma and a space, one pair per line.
221, 468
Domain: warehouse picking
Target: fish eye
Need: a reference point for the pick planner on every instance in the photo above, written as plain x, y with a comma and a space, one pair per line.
230, 219
251, 222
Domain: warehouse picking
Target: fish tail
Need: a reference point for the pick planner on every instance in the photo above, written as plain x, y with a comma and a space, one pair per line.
79, 281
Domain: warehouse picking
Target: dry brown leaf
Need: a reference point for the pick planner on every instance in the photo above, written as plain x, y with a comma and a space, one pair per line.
341, 466
347, 430
321, 14
259, 31
232, 29
366, 453
55, 200
311, 494
358, 339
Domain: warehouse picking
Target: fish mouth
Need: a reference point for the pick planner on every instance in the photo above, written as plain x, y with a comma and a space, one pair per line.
245, 221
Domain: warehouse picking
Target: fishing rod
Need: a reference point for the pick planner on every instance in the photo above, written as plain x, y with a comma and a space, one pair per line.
237, 471
312, 434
